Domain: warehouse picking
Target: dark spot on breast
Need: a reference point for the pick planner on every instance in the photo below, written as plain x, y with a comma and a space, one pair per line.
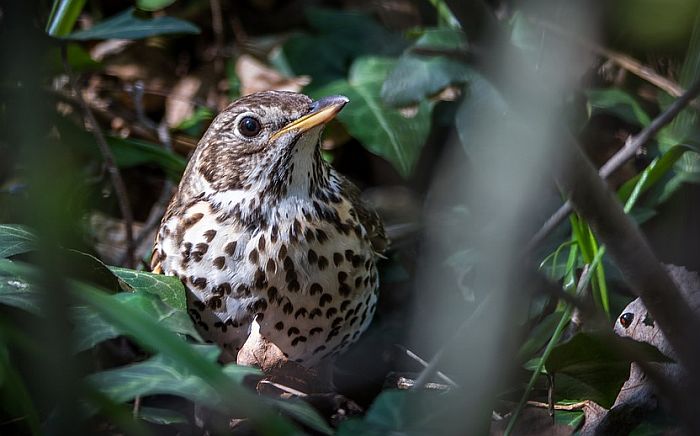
253, 257
313, 257
219, 262
271, 266
199, 251
331, 312
214, 303
349, 254
315, 289
358, 281
261, 243
315, 330
293, 286
357, 260
198, 282
331, 335
192, 220
243, 290
325, 298
279, 325
288, 308
260, 279
315, 312
230, 248
224, 288
322, 263
209, 235
282, 253
344, 305
300, 313
292, 331
337, 322
298, 339
186, 250
321, 236
288, 264
344, 290
342, 276
337, 259
319, 349
309, 235
272, 294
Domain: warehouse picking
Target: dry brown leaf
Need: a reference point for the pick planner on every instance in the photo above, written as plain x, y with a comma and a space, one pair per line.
255, 76
179, 104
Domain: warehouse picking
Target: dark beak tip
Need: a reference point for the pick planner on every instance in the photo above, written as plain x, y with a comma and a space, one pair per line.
331, 100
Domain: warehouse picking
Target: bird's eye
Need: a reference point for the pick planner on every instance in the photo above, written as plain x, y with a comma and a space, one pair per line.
249, 126
626, 319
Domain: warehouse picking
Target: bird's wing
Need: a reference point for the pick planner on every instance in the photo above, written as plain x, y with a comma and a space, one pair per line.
367, 216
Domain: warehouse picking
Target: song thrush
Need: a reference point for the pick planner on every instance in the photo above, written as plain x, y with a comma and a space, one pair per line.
267, 237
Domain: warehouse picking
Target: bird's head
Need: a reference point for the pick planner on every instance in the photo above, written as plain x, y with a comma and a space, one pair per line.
266, 142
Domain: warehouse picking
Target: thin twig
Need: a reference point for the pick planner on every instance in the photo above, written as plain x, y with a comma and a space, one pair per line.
109, 161
418, 359
467, 325
624, 61
137, 407
158, 209
632, 145
217, 25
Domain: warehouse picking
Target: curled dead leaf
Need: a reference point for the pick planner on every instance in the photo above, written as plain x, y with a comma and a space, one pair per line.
255, 76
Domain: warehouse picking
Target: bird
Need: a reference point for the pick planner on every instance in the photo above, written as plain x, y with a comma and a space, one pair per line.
269, 240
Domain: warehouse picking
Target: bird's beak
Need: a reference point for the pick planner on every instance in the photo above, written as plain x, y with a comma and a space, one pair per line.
322, 111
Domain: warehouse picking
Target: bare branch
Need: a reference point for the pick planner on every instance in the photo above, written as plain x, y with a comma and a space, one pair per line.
631, 147
109, 161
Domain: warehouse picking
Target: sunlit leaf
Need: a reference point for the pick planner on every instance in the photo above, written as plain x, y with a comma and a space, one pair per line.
15, 239
382, 130
168, 288
126, 25
16, 288
617, 102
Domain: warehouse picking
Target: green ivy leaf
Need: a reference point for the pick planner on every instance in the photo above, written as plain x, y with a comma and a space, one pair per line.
482, 103
591, 366
156, 415
91, 328
162, 375
416, 76
126, 25
617, 102
15, 239
168, 288
16, 288
338, 38
382, 130
153, 5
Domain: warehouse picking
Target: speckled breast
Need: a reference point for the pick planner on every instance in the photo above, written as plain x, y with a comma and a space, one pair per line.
309, 283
